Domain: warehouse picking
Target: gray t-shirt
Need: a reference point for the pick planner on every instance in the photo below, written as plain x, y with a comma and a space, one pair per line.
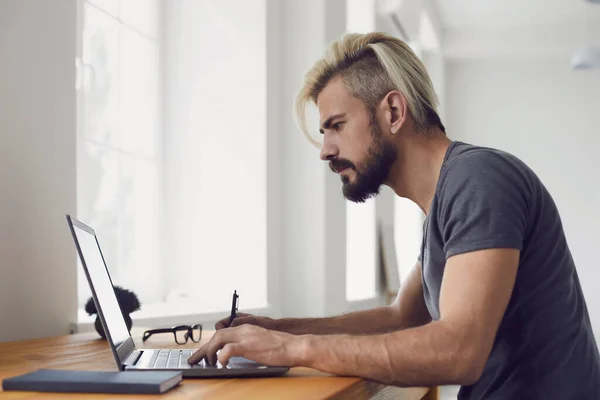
545, 346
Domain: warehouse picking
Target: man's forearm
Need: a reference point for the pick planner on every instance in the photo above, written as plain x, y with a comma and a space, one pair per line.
377, 320
409, 310
429, 355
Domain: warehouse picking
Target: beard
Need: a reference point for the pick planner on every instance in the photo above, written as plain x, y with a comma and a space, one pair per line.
371, 172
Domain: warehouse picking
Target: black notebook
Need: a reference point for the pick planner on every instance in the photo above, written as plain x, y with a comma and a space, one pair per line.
56, 380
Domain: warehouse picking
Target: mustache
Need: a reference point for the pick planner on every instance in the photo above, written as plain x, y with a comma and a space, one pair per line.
340, 163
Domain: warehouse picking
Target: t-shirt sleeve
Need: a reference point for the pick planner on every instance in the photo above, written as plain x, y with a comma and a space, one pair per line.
482, 204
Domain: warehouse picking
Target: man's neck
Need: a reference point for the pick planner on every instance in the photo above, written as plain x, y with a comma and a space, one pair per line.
417, 169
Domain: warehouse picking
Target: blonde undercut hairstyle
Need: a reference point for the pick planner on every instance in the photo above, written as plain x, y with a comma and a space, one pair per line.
371, 65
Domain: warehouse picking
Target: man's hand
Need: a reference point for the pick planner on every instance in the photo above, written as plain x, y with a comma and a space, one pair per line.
242, 319
254, 343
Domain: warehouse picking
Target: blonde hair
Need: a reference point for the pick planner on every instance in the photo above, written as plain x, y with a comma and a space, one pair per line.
371, 66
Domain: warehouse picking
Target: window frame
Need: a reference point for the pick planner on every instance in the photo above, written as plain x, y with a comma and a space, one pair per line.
152, 319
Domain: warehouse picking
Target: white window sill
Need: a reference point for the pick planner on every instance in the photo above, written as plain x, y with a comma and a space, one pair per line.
163, 315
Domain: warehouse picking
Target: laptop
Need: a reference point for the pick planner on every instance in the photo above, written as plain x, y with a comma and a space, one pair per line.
127, 356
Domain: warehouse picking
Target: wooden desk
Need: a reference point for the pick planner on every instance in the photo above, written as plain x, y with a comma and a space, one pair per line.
87, 351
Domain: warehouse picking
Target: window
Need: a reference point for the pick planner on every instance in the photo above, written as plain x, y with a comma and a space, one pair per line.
215, 153
118, 185
408, 228
361, 250
171, 171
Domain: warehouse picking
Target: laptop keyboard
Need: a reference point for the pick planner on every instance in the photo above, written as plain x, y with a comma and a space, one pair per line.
166, 359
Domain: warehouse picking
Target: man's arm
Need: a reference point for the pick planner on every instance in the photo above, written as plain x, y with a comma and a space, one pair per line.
407, 311
476, 289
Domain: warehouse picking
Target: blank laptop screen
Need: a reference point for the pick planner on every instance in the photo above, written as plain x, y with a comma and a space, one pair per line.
102, 286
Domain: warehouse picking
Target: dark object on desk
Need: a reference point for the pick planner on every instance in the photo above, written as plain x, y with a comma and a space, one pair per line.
181, 333
128, 302
56, 380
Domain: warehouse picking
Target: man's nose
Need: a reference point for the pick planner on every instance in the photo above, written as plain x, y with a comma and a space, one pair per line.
329, 150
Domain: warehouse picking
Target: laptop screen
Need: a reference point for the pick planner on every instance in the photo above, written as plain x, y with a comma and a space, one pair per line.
98, 274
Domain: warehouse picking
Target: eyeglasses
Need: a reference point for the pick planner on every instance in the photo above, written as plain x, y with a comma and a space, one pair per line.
181, 333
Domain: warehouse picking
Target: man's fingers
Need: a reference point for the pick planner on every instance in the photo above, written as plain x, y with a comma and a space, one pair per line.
221, 324
205, 351
228, 351
197, 356
209, 350
224, 323
242, 320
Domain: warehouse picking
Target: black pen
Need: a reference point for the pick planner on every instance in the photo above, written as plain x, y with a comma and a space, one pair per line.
234, 306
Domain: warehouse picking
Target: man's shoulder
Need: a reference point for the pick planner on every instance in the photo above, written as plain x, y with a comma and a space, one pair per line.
468, 156
470, 162
475, 172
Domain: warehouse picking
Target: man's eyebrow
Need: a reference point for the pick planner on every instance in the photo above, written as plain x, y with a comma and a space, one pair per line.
328, 121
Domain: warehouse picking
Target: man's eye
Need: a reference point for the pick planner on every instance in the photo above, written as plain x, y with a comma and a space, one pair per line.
337, 126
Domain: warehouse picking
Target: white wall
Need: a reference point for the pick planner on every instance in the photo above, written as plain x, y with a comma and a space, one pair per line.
546, 114
38, 283
313, 222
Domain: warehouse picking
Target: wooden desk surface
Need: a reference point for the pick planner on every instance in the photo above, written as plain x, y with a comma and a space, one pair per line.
87, 351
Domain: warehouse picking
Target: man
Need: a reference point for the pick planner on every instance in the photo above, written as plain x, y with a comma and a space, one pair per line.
494, 302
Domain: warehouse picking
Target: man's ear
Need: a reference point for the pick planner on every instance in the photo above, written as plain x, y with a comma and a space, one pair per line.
395, 109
